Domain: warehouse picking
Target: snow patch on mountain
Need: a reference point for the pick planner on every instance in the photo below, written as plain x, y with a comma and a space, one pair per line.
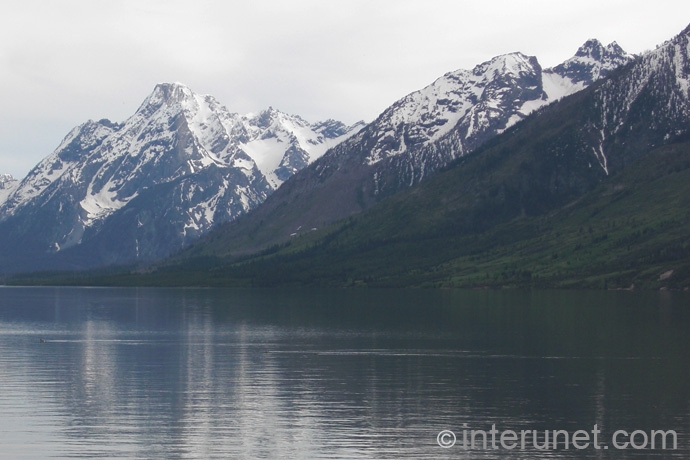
274, 137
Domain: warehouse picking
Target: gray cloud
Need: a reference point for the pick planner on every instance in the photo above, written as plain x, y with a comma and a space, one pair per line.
64, 62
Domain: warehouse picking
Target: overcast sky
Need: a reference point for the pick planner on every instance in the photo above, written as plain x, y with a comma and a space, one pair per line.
63, 62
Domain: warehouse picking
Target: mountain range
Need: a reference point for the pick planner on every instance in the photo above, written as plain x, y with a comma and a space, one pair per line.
591, 191
479, 160
417, 135
142, 189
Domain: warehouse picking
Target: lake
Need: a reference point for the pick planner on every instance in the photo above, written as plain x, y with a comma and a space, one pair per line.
343, 374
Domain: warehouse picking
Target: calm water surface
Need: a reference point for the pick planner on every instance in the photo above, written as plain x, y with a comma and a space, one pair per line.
336, 374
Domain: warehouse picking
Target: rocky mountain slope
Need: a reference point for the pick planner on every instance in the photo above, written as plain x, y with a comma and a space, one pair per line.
417, 135
591, 191
141, 189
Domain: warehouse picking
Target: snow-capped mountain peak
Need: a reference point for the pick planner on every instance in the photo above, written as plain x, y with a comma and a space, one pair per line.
595, 50
174, 98
7, 185
6, 178
216, 164
167, 94
488, 99
513, 64
592, 61
426, 115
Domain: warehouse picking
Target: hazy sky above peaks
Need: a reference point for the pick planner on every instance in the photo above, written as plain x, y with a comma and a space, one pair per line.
64, 62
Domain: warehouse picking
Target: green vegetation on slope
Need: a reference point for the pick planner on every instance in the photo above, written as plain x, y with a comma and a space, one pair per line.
632, 229
532, 207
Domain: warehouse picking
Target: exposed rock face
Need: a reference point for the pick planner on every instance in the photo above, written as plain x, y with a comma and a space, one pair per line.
180, 165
